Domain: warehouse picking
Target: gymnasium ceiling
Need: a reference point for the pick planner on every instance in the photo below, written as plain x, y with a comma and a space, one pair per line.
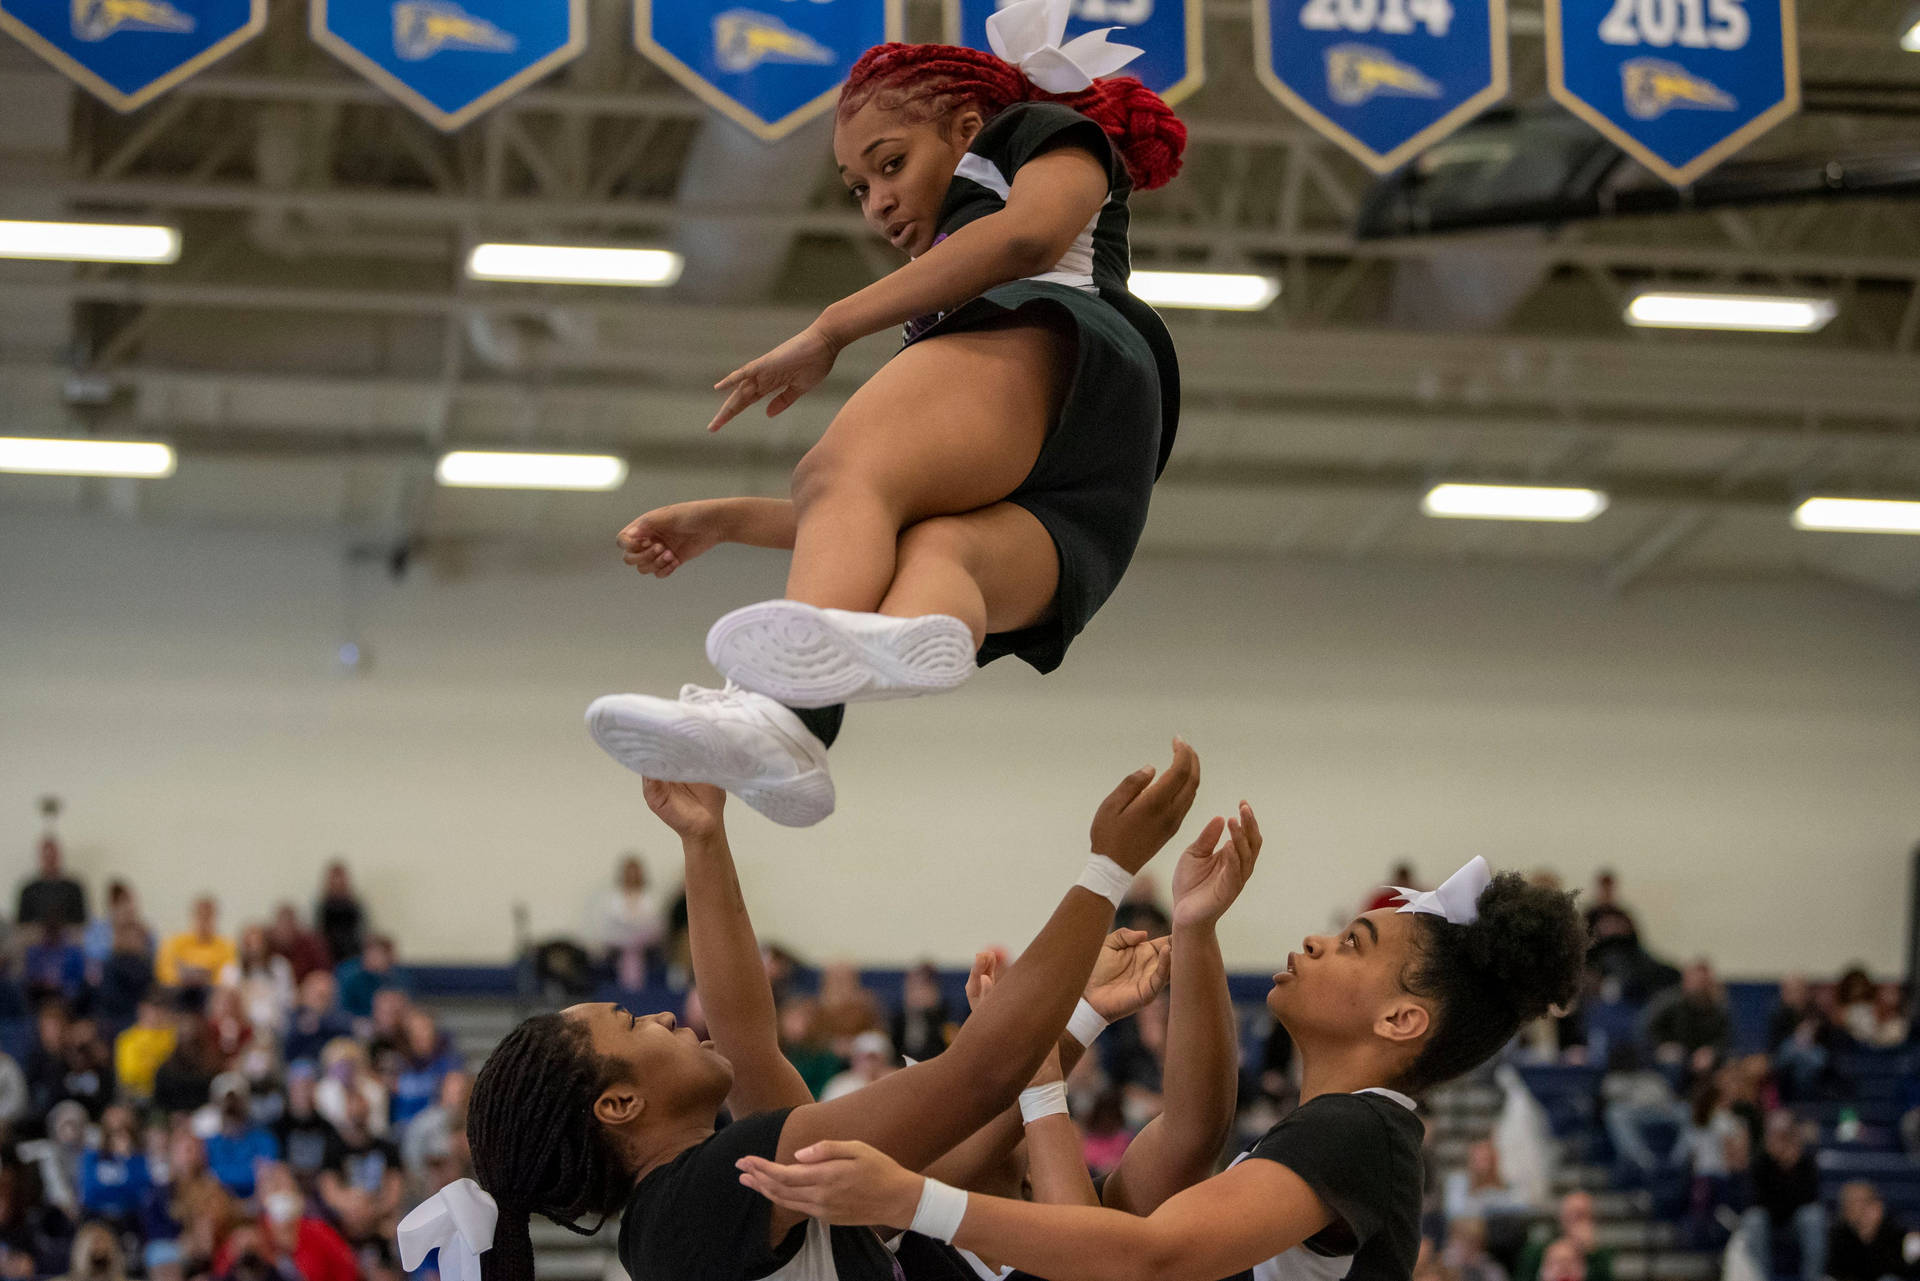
316, 344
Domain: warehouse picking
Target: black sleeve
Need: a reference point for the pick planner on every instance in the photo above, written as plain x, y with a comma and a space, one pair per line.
1030, 129
694, 1221
1338, 1146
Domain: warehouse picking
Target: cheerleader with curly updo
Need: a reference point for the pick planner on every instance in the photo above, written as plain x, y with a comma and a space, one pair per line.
982, 494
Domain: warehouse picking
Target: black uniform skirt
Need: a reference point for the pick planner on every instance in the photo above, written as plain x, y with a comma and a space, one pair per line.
1094, 477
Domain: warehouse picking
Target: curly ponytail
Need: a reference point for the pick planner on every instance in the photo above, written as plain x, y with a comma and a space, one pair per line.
537, 1147
1520, 959
932, 81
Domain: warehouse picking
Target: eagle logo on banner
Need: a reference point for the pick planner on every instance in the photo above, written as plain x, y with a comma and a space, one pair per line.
129, 52
450, 60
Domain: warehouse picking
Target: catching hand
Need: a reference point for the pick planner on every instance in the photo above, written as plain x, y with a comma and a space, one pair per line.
668, 537
838, 1181
786, 373
691, 809
1207, 880
1143, 813
1130, 971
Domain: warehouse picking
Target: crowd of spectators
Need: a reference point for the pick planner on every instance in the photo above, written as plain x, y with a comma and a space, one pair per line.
209, 1103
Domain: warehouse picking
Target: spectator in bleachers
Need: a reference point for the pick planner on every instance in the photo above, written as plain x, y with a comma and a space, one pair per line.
426, 1058
365, 1190
872, 1058
317, 1019
385, 1035
308, 1141
96, 1255
1786, 1197
200, 957
52, 897
1466, 1251
59, 1155
125, 977
922, 1024
359, 977
1635, 1097
630, 924
266, 981
86, 1067
1135, 1059
1142, 909
1576, 1225
338, 915
1105, 1135
1607, 917
34, 1236
13, 997
439, 1132
1401, 874
46, 1061
282, 1243
346, 1074
1867, 1243
139, 1051
231, 1030
114, 1178
123, 909
804, 1047
299, 946
1691, 1025
1881, 1022
53, 963
1800, 1038
236, 1148
847, 1008
1564, 1261
184, 1081
13, 1093
1480, 1191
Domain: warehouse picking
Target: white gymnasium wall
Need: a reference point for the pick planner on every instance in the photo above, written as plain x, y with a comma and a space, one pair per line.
1747, 755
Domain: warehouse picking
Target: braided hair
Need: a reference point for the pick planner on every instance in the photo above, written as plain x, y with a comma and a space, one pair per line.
537, 1146
1520, 959
932, 81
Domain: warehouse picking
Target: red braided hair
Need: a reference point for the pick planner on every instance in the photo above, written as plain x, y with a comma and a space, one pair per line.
931, 81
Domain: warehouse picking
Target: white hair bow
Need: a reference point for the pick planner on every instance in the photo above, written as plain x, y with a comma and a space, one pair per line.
458, 1221
1028, 33
1457, 899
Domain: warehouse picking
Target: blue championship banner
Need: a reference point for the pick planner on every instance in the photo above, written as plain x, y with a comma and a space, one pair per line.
1679, 85
127, 52
450, 60
1172, 61
767, 65
1383, 78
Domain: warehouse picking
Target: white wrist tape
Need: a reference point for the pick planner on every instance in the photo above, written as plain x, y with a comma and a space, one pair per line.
1106, 878
1038, 1101
940, 1212
1086, 1025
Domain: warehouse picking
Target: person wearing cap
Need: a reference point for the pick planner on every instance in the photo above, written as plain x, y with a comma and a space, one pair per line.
872, 1058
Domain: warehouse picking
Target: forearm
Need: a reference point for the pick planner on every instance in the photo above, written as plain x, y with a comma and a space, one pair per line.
1056, 1164
976, 1163
732, 978
1064, 1242
1201, 1082
758, 522
965, 265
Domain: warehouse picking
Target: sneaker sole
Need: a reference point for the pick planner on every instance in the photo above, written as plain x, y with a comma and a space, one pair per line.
797, 654
655, 743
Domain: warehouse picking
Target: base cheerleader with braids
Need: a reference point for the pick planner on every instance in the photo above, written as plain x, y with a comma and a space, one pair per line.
982, 494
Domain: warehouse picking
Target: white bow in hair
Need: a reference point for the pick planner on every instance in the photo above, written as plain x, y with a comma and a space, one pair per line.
1028, 33
1457, 899
458, 1221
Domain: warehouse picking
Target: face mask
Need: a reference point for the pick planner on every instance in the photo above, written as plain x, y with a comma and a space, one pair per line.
285, 1207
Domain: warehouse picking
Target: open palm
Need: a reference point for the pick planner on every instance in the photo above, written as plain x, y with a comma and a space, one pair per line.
1131, 970
1212, 872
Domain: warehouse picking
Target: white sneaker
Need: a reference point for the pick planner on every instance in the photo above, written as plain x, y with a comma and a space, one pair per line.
731, 738
810, 657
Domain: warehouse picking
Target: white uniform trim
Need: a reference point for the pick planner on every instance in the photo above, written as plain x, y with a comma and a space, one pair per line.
813, 1261
1075, 268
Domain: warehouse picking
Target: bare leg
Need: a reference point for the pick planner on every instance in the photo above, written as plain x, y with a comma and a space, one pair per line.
995, 569
949, 426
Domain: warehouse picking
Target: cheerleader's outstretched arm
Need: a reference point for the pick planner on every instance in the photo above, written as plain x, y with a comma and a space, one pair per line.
666, 538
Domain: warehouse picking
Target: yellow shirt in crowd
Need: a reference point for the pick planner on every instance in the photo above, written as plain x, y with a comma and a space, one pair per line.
138, 1053
190, 951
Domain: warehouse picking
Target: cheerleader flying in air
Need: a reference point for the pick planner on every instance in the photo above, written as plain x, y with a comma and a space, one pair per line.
982, 494
1400, 1001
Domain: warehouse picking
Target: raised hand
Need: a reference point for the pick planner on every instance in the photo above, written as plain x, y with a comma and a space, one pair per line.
1207, 879
693, 810
786, 373
1131, 970
838, 1181
1142, 814
668, 537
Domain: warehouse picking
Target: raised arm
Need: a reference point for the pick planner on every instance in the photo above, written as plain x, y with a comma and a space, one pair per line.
917, 1114
1056, 1163
1180, 1147
1226, 1225
727, 969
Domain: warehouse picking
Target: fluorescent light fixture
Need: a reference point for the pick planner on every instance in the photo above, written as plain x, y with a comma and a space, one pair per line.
88, 242
1731, 311
1911, 41
471, 469
1859, 515
1211, 290
79, 457
1512, 502
574, 265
